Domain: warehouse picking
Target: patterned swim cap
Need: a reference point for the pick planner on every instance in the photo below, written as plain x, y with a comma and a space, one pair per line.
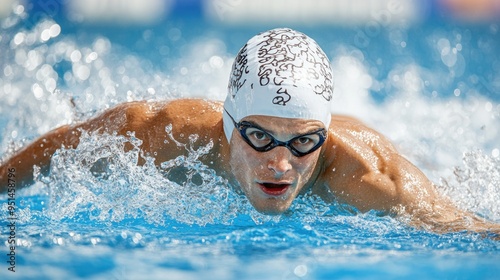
279, 73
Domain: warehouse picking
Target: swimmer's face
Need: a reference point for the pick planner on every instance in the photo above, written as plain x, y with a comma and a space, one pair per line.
271, 180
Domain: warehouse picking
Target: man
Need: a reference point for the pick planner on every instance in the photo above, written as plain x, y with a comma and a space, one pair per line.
274, 139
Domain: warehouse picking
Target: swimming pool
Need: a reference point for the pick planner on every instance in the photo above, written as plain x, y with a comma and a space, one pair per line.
432, 88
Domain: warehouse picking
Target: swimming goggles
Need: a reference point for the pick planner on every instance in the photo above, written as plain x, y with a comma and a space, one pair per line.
262, 141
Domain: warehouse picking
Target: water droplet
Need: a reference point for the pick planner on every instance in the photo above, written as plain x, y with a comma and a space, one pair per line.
19, 9
45, 35
216, 62
91, 57
495, 153
488, 106
7, 71
19, 38
300, 270
75, 56
81, 71
55, 30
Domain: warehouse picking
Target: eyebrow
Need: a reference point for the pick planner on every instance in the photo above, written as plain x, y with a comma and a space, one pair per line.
259, 127
274, 132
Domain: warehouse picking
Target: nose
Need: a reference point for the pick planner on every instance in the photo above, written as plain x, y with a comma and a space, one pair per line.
279, 161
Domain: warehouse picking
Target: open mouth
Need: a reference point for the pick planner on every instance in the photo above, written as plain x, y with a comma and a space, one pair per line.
274, 189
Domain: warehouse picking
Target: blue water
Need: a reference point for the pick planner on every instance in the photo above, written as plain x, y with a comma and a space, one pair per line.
431, 87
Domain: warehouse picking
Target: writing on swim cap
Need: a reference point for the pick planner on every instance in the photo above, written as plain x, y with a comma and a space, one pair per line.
279, 73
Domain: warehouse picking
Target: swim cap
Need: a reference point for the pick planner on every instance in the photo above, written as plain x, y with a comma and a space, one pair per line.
279, 73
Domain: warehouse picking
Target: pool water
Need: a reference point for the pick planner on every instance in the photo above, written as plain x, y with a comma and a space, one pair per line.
432, 88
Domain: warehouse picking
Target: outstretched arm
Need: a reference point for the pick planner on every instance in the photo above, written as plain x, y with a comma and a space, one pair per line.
415, 198
368, 173
146, 119
37, 153
41, 150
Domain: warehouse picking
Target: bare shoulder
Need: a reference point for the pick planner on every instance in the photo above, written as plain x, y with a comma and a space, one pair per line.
181, 111
350, 136
147, 120
186, 117
360, 165
163, 125
193, 113
149, 116
365, 170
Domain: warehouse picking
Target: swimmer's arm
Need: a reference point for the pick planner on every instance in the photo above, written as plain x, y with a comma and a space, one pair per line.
368, 173
416, 198
39, 152
403, 190
147, 120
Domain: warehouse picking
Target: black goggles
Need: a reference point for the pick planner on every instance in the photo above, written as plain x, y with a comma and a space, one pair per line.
262, 141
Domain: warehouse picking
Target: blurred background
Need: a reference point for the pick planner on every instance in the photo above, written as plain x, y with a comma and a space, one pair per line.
258, 12
163, 31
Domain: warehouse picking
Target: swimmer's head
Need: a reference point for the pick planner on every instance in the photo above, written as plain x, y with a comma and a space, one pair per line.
279, 73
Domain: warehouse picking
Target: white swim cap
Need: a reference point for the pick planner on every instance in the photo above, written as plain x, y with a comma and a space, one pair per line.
279, 73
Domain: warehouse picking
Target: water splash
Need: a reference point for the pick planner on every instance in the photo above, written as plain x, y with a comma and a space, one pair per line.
102, 180
475, 184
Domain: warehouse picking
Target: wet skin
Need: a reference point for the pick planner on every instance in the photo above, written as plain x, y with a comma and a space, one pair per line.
271, 180
356, 165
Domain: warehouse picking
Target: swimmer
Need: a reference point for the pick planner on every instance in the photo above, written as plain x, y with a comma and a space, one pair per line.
274, 139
